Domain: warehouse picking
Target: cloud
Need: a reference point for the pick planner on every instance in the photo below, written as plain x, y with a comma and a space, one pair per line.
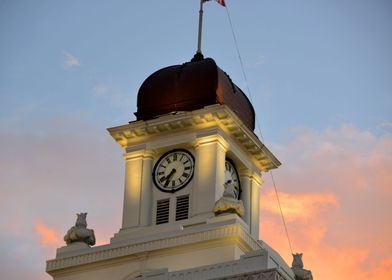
48, 236
71, 60
334, 187
67, 168
386, 126
335, 191
298, 206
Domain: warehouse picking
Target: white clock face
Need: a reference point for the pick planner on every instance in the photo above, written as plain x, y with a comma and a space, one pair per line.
174, 170
231, 175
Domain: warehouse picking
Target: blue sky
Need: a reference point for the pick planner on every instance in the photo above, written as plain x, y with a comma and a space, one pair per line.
320, 74
312, 63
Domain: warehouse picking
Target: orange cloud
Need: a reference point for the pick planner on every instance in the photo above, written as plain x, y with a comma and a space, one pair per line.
382, 271
327, 261
297, 206
48, 236
335, 191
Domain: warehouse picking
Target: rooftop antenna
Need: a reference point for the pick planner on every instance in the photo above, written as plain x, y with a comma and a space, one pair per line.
199, 55
200, 27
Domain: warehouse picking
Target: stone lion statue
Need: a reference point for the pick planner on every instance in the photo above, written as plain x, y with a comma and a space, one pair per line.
298, 268
228, 202
80, 232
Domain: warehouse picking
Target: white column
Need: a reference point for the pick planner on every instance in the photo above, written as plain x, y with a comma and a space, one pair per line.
146, 194
255, 184
246, 193
251, 183
209, 173
138, 189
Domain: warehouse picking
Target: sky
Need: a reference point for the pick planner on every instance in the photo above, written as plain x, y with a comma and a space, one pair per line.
317, 72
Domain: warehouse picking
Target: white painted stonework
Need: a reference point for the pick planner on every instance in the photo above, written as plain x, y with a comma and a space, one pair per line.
220, 247
203, 246
211, 135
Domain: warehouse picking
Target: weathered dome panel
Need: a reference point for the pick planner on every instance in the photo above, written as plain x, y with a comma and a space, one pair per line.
191, 86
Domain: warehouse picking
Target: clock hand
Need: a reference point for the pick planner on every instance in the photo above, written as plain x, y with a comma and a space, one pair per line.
168, 178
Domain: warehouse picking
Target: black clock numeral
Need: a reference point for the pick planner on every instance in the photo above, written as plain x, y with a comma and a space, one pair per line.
162, 179
168, 160
175, 157
161, 173
173, 183
187, 168
186, 175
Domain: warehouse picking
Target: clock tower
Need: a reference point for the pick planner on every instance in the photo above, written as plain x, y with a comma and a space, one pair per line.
193, 171
194, 131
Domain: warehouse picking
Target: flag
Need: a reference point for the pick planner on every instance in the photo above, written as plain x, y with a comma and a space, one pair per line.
222, 2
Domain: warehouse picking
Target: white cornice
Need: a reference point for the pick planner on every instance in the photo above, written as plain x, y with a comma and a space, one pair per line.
131, 135
188, 237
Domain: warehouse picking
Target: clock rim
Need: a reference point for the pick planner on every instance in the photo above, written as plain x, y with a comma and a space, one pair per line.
165, 155
238, 176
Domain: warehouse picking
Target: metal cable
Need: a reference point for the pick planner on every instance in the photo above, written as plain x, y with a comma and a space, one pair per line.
281, 212
242, 67
257, 122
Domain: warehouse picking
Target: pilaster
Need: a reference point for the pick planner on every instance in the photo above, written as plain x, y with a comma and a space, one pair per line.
137, 193
210, 153
251, 183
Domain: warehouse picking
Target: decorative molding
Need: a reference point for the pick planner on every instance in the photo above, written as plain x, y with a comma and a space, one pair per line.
241, 269
209, 137
210, 116
140, 153
272, 274
186, 237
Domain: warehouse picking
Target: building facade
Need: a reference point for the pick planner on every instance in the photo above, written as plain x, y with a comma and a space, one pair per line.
193, 171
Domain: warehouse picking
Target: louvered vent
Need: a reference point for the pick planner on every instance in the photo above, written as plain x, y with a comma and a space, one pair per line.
182, 207
162, 211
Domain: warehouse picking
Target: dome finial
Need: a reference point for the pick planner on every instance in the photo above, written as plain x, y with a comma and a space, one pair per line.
197, 57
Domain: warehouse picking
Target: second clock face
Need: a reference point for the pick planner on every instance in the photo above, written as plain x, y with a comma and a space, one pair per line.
174, 170
231, 175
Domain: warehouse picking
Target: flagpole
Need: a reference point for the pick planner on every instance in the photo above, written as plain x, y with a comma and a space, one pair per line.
200, 27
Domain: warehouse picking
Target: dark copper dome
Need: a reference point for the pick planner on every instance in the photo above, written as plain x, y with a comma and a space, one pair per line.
191, 86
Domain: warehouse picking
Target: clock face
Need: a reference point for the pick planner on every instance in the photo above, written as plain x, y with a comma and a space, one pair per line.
174, 170
231, 174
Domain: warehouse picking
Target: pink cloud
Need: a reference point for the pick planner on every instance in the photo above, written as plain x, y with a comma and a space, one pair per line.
335, 192
48, 236
297, 206
334, 186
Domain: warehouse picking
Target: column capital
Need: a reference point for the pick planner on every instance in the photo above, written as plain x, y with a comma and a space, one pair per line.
217, 138
139, 154
251, 175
